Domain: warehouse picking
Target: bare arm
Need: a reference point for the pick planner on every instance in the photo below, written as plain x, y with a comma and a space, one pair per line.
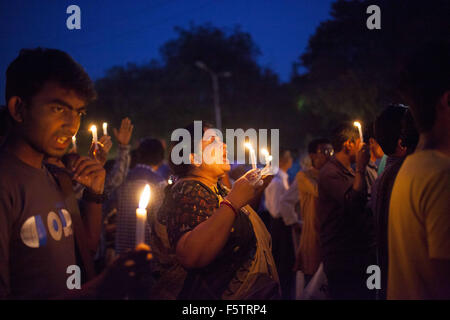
200, 246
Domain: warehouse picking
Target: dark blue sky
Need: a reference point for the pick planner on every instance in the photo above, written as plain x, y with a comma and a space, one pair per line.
114, 32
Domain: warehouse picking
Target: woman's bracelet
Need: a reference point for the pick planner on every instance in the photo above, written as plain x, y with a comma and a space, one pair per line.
228, 204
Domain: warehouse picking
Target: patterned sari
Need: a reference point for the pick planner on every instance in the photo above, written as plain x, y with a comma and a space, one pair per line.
243, 269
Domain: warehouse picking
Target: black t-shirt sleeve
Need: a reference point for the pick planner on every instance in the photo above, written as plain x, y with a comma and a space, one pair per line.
192, 205
332, 184
6, 209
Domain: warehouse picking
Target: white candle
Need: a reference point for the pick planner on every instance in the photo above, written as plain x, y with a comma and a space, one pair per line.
105, 129
267, 156
74, 143
358, 125
252, 154
94, 136
141, 215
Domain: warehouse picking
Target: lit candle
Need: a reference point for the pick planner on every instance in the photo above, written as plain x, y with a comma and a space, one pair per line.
105, 129
252, 154
74, 143
94, 136
358, 125
267, 156
141, 215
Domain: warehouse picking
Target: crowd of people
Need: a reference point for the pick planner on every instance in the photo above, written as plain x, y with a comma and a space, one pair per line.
215, 229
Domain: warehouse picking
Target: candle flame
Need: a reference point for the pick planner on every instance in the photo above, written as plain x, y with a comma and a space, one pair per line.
357, 124
74, 139
105, 125
145, 197
93, 128
248, 145
265, 152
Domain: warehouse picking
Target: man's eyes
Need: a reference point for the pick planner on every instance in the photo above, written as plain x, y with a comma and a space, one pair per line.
61, 109
58, 109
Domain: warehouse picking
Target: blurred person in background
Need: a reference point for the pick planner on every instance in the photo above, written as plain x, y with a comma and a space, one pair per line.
395, 130
282, 245
308, 255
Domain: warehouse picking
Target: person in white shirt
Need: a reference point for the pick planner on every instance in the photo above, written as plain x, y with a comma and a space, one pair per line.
282, 246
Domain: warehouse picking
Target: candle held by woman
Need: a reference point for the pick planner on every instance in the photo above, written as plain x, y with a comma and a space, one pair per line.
249, 146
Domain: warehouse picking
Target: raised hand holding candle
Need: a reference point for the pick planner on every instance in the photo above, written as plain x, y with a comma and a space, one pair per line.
105, 129
358, 125
249, 146
141, 215
94, 136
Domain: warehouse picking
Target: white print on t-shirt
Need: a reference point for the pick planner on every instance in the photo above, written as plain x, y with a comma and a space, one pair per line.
34, 234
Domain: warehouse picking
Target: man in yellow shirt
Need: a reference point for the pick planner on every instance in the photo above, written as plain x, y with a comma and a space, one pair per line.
419, 213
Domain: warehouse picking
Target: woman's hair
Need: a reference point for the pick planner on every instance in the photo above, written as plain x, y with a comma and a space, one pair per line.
183, 169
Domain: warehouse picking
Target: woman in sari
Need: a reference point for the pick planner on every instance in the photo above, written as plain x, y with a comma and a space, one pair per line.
207, 242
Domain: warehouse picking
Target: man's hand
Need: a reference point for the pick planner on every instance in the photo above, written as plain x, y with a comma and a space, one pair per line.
90, 173
362, 157
123, 135
101, 155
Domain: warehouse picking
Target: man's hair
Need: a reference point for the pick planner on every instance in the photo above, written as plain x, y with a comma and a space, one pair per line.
388, 127
409, 134
424, 78
28, 73
150, 151
343, 132
314, 144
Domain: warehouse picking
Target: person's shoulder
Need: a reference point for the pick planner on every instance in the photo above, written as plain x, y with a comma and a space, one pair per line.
426, 163
9, 166
430, 156
329, 169
192, 189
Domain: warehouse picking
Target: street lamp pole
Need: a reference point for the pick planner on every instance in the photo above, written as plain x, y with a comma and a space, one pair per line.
215, 84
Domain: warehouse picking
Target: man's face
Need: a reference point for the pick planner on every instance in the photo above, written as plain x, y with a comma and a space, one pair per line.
51, 119
323, 154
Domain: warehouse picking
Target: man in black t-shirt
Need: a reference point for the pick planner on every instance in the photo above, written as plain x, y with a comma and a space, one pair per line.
46, 94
